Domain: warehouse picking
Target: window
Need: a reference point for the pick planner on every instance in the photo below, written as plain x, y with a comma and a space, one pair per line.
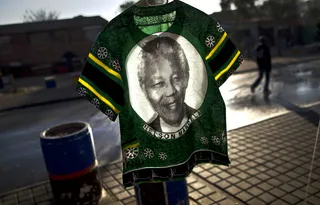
39, 38
91, 32
61, 36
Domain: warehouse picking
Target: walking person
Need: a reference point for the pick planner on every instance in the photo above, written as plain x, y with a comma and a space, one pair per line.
263, 58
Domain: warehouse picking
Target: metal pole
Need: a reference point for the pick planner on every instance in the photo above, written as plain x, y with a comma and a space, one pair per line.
166, 193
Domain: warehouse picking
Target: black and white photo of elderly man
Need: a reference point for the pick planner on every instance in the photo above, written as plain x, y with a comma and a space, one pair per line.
163, 77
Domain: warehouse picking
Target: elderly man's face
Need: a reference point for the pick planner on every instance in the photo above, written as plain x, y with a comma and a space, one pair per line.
165, 88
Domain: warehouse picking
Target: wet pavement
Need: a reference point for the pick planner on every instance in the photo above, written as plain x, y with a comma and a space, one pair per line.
298, 85
293, 88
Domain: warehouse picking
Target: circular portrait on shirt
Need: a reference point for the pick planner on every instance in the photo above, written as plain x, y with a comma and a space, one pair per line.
167, 81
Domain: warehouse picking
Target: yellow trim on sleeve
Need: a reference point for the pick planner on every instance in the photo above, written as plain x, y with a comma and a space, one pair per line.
224, 36
85, 84
104, 66
229, 66
131, 146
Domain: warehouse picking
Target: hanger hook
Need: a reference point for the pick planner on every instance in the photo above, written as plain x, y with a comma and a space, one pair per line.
147, 1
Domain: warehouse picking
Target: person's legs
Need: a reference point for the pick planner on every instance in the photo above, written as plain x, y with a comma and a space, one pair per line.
266, 85
258, 81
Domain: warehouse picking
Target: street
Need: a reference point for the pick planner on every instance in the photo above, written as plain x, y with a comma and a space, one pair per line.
21, 161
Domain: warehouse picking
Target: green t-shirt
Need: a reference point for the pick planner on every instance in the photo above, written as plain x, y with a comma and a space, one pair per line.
159, 68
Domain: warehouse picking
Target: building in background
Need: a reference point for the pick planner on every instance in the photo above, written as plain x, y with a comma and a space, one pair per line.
41, 47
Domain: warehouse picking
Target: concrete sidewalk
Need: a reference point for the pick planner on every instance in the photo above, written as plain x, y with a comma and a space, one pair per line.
270, 164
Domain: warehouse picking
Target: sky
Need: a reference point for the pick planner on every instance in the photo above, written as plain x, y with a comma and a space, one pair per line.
12, 10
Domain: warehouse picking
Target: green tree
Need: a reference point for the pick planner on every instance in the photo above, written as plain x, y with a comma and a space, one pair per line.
39, 15
126, 5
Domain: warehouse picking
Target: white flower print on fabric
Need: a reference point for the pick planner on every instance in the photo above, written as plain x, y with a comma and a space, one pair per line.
240, 59
116, 65
204, 140
163, 156
109, 113
131, 152
219, 27
82, 91
148, 153
102, 52
210, 41
95, 102
216, 140
224, 137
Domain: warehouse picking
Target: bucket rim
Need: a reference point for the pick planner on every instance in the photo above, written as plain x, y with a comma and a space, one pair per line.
43, 133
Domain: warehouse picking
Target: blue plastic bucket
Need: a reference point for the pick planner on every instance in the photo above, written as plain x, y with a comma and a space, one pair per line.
70, 159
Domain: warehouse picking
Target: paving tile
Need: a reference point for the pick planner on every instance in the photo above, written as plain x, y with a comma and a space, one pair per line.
28, 202
266, 197
252, 172
292, 174
233, 171
205, 174
272, 173
263, 176
299, 193
256, 201
314, 200
123, 195
24, 195
277, 192
244, 196
207, 166
45, 203
283, 178
286, 187
233, 190
205, 201
42, 198
279, 202
255, 191
233, 180
296, 184
112, 184
217, 196
129, 200
206, 191
116, 190
195, 195
197, 185
244, 185
223, 184
8, 197
214, 179
253, 180
191, 179
215, 170
243, 167
12, 201
198, 169
223, 175
227, 202
243, 175
290, 199
191, 202
274, 182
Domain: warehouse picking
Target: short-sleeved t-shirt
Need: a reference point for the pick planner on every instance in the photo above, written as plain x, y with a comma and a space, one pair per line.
159, 69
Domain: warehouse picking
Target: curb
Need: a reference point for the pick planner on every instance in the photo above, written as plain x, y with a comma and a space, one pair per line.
40, 104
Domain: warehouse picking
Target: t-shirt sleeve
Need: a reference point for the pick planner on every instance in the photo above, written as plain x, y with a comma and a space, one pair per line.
100, 81
222, 56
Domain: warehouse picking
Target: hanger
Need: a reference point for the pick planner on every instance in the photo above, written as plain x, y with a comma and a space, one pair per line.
147, 1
